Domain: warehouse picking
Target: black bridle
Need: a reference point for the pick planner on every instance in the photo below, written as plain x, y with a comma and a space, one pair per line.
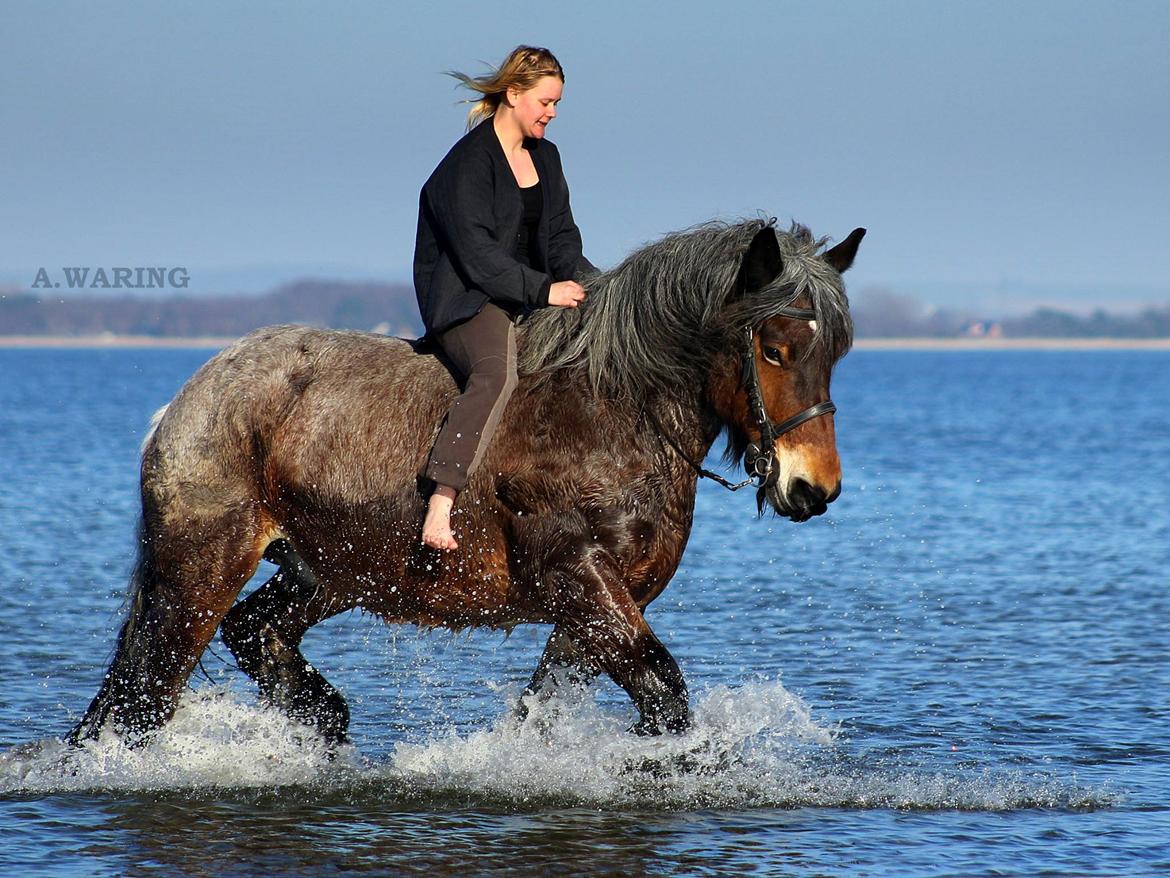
760, 458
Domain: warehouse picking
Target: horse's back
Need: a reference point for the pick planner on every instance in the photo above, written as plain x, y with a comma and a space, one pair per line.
341, 413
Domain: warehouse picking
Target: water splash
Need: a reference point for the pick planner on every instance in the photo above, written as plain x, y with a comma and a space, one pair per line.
214, 740
754, 746
572, 751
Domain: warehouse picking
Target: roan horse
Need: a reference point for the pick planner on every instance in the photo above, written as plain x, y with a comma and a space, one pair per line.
305, 447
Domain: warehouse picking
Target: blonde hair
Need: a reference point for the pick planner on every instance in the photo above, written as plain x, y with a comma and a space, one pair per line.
522, 69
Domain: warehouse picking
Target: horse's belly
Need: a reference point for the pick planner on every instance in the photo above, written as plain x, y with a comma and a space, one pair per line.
404, 581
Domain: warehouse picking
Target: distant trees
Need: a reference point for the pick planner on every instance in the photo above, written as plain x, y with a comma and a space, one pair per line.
1050, 323
387, 307
880, 313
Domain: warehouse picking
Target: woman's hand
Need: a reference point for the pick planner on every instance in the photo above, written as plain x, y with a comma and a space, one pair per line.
566, 294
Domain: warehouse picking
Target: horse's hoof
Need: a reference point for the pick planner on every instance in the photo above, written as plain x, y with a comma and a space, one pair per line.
700, 760
334, 746
651, 726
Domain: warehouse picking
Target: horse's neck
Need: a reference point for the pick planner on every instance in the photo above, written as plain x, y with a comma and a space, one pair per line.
688, 422
685, 417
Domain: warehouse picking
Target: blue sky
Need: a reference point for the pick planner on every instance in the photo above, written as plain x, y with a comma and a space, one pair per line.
1001, 153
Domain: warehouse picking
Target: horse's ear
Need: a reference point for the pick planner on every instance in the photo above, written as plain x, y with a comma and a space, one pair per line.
841, 256
763, 263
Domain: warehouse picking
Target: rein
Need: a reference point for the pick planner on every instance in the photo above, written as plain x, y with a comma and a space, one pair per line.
761, 457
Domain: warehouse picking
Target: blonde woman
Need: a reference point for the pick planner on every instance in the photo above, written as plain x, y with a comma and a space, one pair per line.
496, 239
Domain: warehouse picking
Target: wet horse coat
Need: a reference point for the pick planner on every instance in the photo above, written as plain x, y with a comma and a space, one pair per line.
306, 446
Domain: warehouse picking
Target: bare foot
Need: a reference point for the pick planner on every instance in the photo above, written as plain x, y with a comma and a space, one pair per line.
437, 527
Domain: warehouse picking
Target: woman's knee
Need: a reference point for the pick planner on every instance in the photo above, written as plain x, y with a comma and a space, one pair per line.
495, 374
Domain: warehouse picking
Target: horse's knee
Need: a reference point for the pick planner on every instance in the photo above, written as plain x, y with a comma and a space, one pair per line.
250, 635
261, 650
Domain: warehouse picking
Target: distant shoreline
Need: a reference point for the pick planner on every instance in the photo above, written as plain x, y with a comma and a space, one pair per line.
112, 341
1012, 344
864, 344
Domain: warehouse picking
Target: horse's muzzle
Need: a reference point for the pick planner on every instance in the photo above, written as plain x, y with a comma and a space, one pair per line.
801, 501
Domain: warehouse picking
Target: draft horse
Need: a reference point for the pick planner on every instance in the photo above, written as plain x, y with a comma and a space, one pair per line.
306, 447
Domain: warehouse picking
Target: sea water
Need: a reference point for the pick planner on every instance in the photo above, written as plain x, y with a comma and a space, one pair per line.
961, 669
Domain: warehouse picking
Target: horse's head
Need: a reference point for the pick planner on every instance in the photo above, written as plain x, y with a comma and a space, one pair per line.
790, 321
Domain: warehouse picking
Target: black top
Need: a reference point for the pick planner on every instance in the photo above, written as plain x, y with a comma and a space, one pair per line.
470, 213
526, 237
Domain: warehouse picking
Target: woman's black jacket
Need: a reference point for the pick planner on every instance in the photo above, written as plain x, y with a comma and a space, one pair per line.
469, 219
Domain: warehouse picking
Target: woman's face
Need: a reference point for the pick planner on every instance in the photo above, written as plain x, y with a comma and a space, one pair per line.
535, 108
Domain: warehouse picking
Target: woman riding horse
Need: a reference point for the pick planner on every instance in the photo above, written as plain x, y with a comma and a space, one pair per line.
303, 446
496, 238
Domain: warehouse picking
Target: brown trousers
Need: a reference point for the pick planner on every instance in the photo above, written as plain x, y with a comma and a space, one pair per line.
483, 349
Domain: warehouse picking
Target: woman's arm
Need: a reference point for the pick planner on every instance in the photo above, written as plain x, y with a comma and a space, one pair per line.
565, 258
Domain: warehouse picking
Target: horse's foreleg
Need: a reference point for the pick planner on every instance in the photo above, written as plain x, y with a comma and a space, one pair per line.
600, 618
264, 633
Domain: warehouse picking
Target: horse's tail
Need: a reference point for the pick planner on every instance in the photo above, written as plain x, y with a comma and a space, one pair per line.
126, 678
152, 428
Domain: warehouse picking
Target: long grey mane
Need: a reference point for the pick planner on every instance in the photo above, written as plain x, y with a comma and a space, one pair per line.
654, 323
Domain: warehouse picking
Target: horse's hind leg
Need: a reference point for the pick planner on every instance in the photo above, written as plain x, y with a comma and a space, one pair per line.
264, 633
563, 660
184, 581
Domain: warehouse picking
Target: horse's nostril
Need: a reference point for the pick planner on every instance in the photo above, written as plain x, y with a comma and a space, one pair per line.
805, 494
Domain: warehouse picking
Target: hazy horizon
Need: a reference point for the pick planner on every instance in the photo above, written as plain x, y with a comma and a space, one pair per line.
990, 301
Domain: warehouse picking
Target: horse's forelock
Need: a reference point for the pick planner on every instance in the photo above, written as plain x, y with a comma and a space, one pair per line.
805, 276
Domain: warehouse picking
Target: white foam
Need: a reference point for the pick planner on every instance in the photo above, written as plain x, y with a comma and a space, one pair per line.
214, 740
572, 750
755, 745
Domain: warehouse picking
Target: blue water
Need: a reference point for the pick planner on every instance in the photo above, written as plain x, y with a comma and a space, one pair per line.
962, 669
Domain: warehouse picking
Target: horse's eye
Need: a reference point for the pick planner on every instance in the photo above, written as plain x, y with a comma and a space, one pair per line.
773, 355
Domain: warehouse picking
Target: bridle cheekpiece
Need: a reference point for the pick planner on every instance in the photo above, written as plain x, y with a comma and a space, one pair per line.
760, 458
